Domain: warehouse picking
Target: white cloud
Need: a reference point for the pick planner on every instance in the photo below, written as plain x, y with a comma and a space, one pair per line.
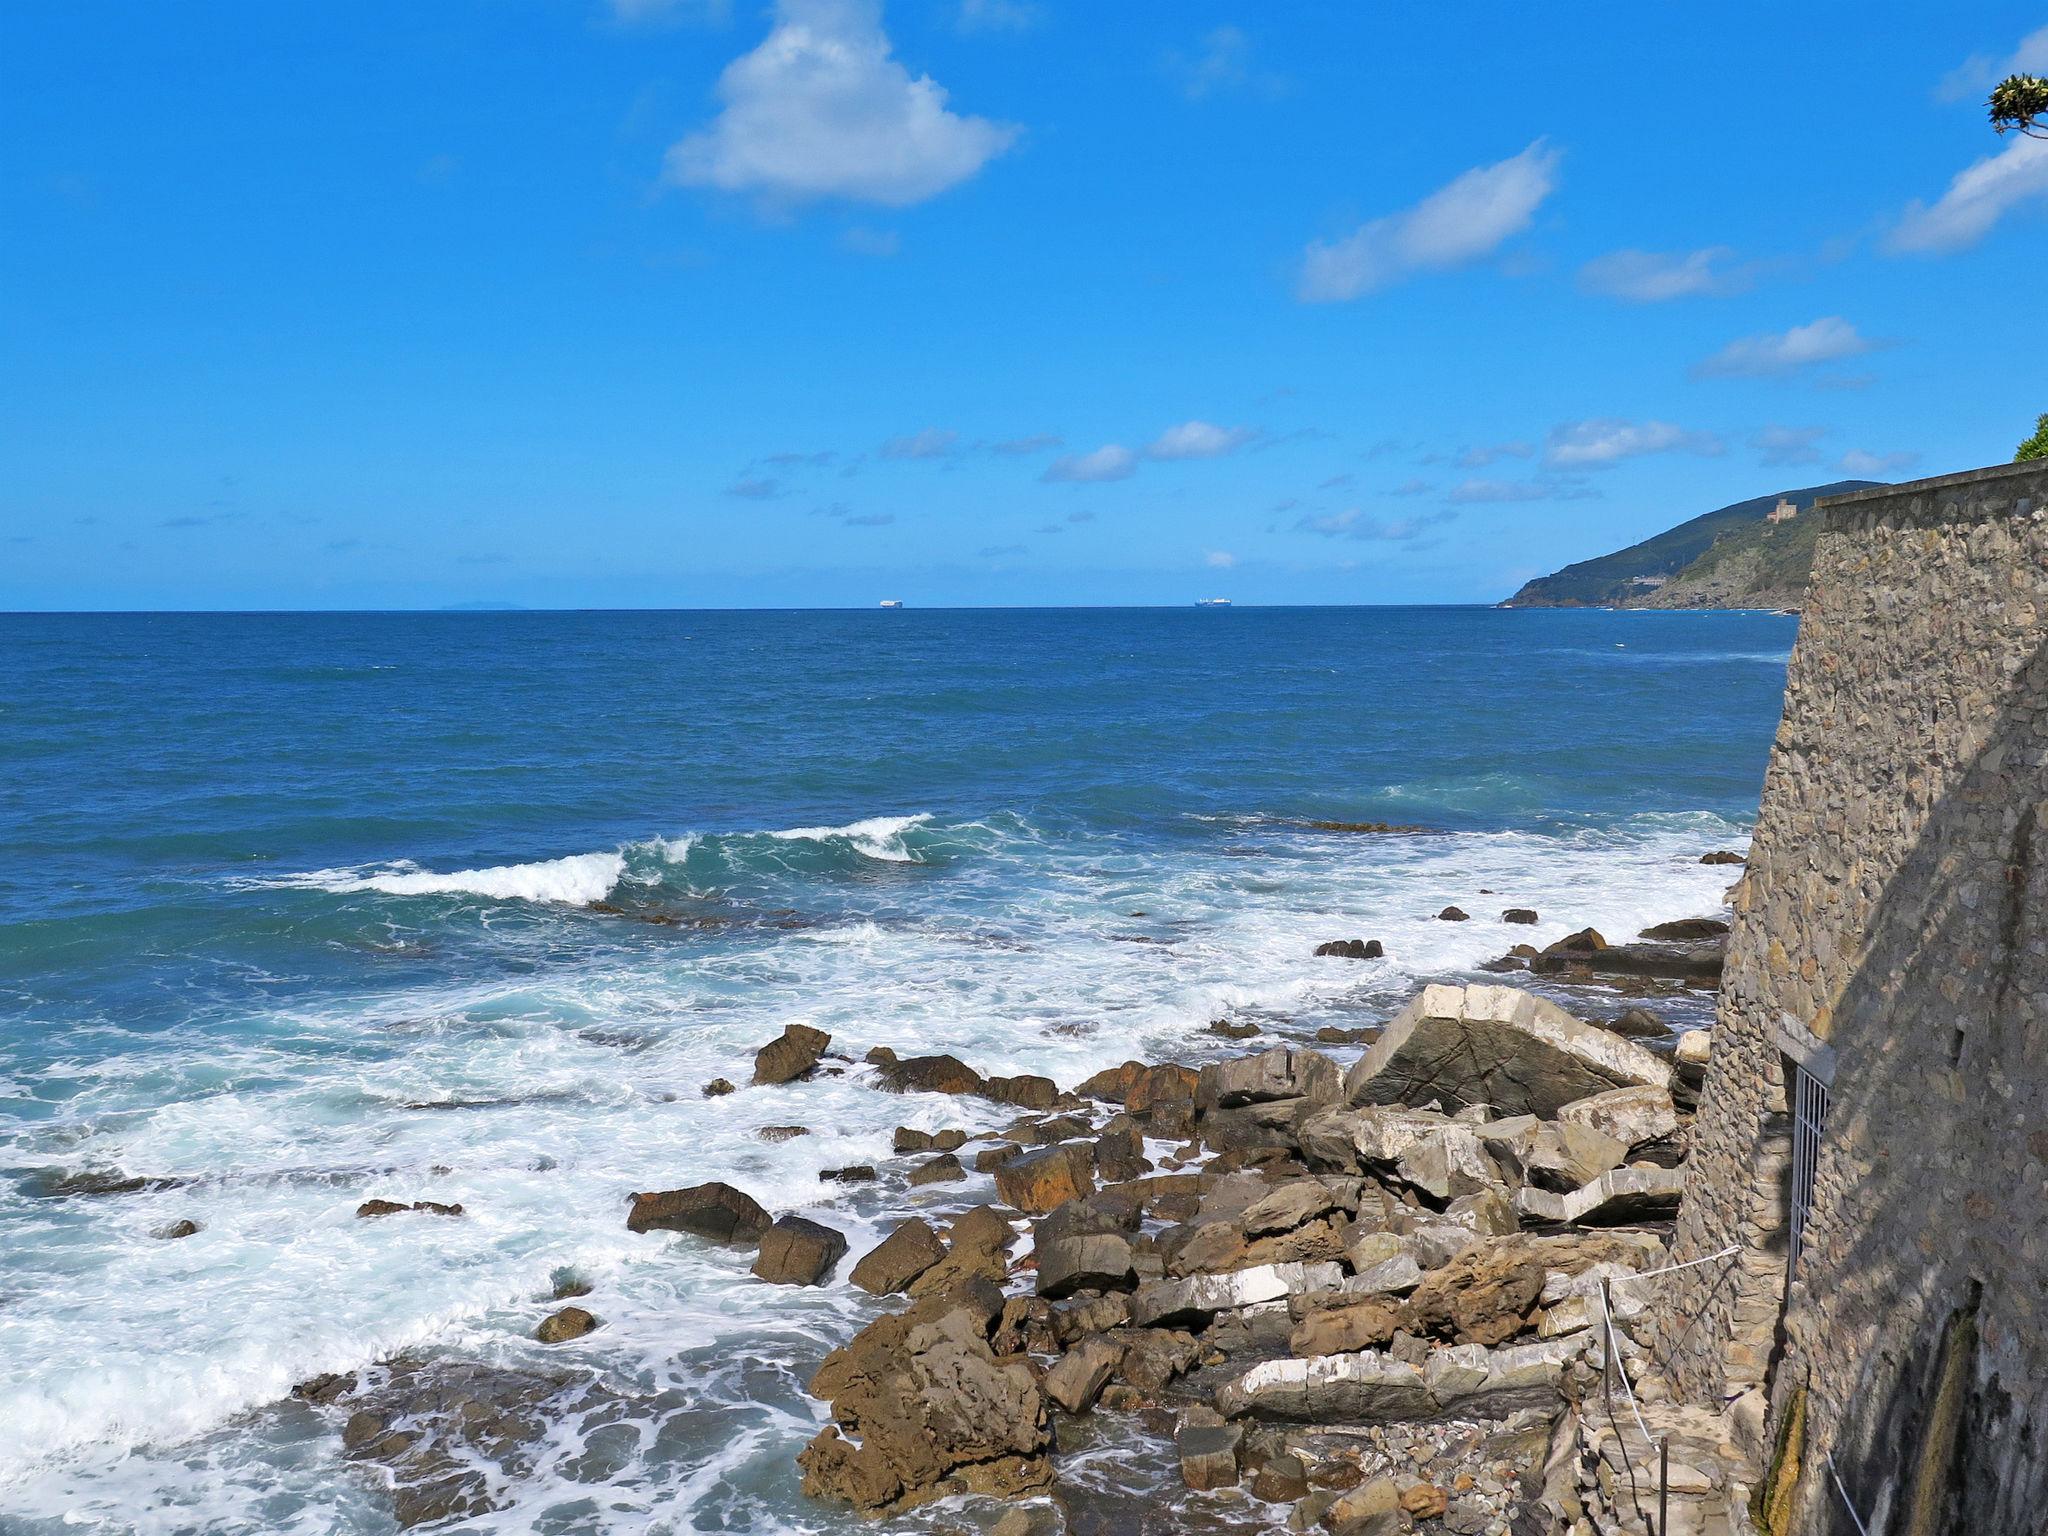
1199, 440
1459, 223
1976, 200
1220, 559
1870, 465
1112, 461
1487, 453
1608, 440
931, 443
1777, 353
998, 16
1547, 488
821, 109
1223, 63
1354, 524
1981, 71
1781, 447
1654, 277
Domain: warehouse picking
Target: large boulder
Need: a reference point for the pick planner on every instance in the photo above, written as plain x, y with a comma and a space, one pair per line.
1095, 1261
798, 1251
715, 1211
923, 1408
1631, 1116
898, 1259
1082, 1372
1196, 1298
1026, 1092
1497, 1046
1372, 1387
1284, 1072
791, 1056
931, 1074
1632, 1194
1039, 1181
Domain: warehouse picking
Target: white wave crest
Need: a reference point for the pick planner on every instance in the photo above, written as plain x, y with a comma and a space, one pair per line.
878, 837
577, 880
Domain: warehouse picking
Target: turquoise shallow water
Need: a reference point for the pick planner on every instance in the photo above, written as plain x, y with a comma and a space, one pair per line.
270, 883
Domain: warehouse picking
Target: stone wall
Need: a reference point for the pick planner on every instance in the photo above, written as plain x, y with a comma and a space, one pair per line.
1892, 934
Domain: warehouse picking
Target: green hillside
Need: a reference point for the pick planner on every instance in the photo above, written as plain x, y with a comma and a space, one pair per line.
1634, 576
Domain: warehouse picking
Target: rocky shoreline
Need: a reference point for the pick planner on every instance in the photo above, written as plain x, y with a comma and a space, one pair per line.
1360, 1296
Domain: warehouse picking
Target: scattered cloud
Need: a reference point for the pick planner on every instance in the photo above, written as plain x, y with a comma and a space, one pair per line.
822, 109
1199, 440
1080, 517
1777, 354
931, 443
1606, 440
997, 16
1220, 64
1543, 488
1000, 551
862, 241
1354, 524
869, 520
1782, 447
1469, 218
1339, 482
1871, 465
756, 488
793, 459
1112, 461
1412, 487
1656, 277
656, 12
1023, 447
1489, 453
1975, 201
1979, 72
1219, 559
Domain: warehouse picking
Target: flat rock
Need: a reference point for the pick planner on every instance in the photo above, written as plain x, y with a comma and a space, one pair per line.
1196, 1298
799, 1251
1096, 1261
1374, 1387
791, 1056
715, 1211
1633, 1194
1497, 1046
1630, 1116
1208, 1454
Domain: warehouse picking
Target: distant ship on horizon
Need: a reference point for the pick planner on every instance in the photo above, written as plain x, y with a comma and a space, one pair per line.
892, 602
1212, 602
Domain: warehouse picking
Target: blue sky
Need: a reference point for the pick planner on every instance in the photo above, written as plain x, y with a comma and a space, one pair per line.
674, 303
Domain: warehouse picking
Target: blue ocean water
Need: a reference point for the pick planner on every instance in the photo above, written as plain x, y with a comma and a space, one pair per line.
299, 910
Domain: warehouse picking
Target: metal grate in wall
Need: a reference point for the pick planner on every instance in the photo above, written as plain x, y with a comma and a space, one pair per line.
1809, 1119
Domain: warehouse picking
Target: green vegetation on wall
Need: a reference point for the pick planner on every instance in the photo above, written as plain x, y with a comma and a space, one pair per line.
2035, 447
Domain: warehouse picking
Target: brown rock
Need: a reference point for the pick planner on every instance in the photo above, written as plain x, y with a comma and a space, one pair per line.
1454, 915
1208, 1454
798, 1251
1025, 1092
782, 1132
1520, 915
371, 1208
931, 1074
1722, 856
715, 1211
560, 1327
717, 1088
858, 1173
1425, 1501
791, 1056
1039, 1181
1342, 1330
1081, 1374
176, 1229
898, 1259
1485, 1295
943, 1169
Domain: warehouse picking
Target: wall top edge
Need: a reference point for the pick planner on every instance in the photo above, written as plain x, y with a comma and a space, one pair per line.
1984, 476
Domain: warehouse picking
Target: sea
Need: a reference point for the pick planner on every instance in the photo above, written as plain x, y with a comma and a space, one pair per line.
302, 910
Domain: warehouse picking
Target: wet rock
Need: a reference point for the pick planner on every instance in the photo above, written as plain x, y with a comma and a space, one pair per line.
1026, 1092
567, 1285
1038, 1181
782, 1132
325, 1388
569, 1323
798, 1251
1686, 928
177, 1229
1497, 1046
791, 1056
1454, 915
1095, 1261
1230, 1031
931, 1074
1208, 1454
1351, 949
943, 1169
50, 1184
373, 1208
923, 1409
1120, 1152
1153, 1357
858, 1173
715, 1211
1081, 1374
1520, 915
908, 1139
1331, 1034
1638, 1024
1281, 1479
1722, 856
717, 1088
1281, 1074
1139, 1087
892, 1264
